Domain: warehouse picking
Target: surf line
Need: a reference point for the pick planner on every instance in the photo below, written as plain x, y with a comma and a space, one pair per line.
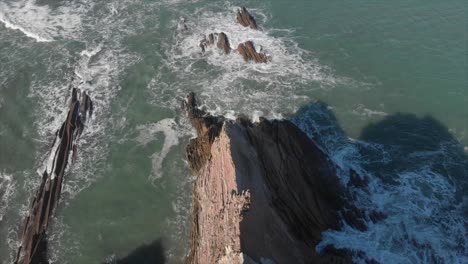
33, 248
23, 30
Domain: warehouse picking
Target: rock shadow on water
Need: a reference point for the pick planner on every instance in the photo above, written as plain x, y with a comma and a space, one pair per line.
152, 253
401, 145
398, 143
414, 142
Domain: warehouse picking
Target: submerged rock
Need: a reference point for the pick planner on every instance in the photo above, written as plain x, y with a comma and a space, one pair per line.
264, 191
248, 52
246, 19
33, 248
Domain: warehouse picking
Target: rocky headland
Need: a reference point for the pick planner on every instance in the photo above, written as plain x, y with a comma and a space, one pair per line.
264, 192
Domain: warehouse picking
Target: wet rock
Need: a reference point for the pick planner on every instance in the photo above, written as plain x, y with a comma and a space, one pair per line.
357, 181
263, 191
33, 248
211, 39
246, 19
223, 43
248, 52
208, 128
221, 39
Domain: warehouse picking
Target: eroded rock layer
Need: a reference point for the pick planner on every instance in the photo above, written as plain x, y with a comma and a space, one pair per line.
223, 43
264, 191
248, 52
246, 19
33, 248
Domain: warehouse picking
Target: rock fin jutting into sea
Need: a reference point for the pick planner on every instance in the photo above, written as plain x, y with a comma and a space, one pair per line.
246, 19
33, 248
264, 191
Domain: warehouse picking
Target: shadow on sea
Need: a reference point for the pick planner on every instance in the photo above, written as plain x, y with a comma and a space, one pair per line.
146, 254
398, 143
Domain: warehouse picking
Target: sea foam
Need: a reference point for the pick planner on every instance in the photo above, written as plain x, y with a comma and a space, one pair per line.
226, 82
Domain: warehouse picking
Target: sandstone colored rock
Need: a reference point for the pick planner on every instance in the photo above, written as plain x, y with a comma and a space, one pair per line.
264, 191
246, 19
248, 52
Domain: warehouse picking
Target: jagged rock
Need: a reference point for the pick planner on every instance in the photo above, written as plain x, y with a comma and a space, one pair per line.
246, 19
223, 43
207, 127
263, 191
248, 52
33, 248
211, 39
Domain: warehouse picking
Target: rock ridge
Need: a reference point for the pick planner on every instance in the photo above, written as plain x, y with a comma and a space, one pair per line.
264, 192
33, 247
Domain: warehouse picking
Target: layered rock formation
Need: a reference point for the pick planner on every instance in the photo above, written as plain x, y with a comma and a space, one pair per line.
33, 248
246, 19
223, 43
248, 52
264, 191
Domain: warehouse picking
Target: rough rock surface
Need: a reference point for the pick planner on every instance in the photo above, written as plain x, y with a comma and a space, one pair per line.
246, 19
264, 191
223, 43
33, 248
248, 52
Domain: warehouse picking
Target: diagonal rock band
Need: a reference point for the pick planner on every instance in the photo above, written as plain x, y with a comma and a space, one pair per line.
33, 248
264, 190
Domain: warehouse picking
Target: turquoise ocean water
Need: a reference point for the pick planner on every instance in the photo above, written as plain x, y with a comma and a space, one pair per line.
382, 86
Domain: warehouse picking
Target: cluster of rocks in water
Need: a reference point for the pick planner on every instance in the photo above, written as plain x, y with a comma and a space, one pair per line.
33, 247
264, 193
246, 50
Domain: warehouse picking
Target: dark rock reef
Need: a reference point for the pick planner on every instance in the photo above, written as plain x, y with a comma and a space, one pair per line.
264, 191
246, 19
33, 248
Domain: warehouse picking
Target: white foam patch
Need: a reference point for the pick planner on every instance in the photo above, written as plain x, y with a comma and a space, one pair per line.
227, 82
42, 23
7, 190
362, 110
424, 223
172, 132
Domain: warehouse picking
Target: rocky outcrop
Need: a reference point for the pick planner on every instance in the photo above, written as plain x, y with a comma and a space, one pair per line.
246, 19
248, 52
264, 191
33, 248
223, 43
